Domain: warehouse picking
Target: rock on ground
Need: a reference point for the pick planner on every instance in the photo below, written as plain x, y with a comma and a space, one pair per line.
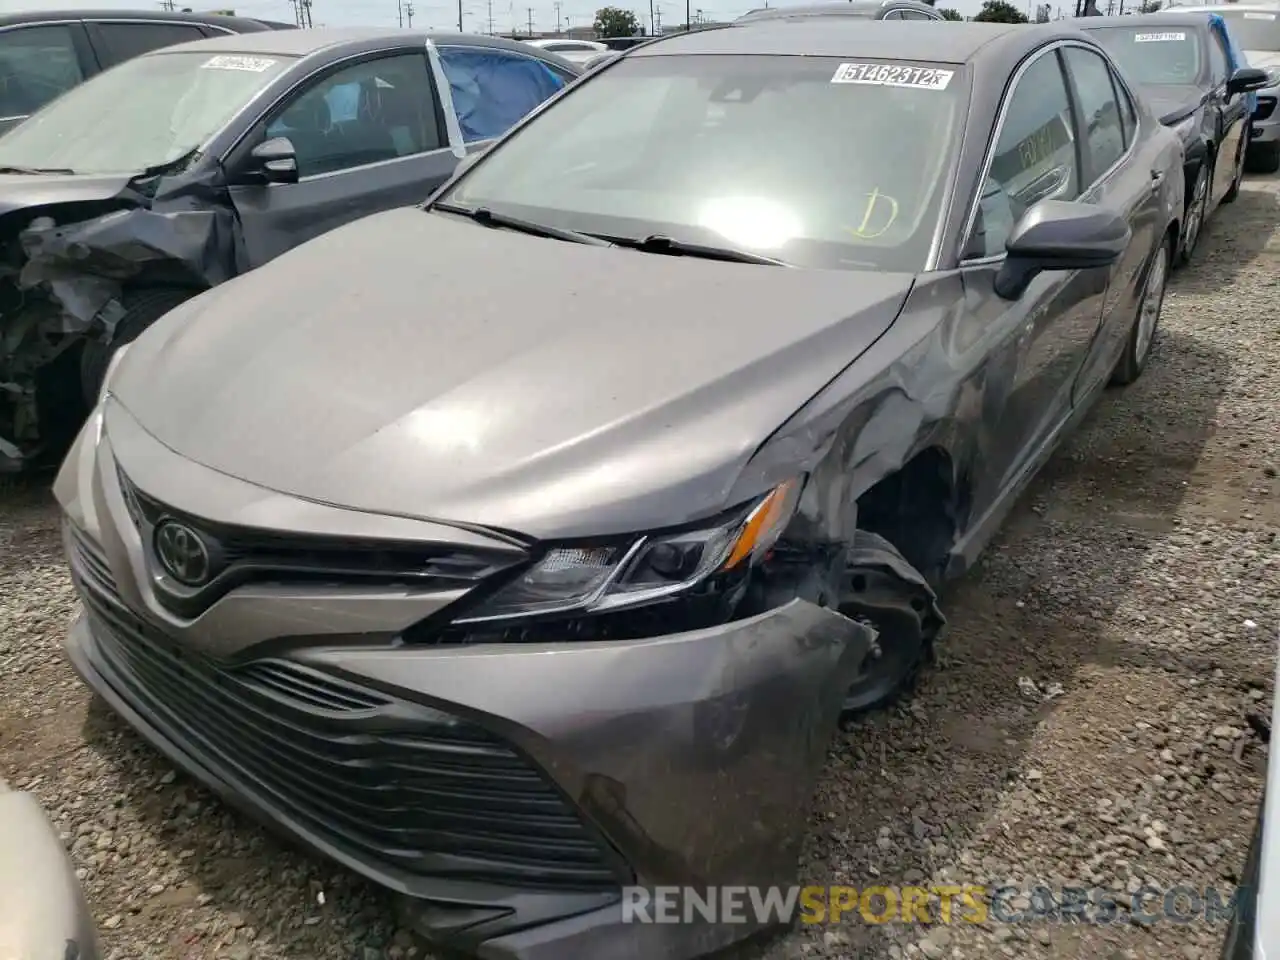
1139, 574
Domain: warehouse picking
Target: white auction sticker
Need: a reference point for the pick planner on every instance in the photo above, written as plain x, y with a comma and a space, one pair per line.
893, 75
250, 64
1259, 16
1158, 37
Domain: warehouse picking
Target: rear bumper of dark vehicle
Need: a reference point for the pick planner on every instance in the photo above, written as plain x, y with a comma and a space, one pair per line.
497, 788
42, 909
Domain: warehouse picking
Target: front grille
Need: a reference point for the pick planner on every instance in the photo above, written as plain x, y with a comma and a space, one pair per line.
241, 555
1266, 107
417, 794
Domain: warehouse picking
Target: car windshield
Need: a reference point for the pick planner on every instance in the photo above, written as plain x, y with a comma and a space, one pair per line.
811, 160
1253, 29
144, 113
1151, 55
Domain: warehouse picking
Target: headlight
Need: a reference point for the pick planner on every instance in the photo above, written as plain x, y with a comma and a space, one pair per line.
1185, 127
597, 578
1273, 76
112, 364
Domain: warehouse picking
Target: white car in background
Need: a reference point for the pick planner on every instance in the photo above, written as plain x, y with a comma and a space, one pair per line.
576, 51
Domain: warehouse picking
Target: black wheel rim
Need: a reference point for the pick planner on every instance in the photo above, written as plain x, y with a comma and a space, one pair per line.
902, 650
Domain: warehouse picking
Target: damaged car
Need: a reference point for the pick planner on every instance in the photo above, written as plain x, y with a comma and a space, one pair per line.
1199, 87
182, 168
509, 592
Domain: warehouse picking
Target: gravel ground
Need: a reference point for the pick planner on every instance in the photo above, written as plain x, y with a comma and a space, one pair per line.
1085, 724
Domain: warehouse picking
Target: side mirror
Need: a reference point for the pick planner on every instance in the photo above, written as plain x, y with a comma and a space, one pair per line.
277, 160
1246, 80
1060, 235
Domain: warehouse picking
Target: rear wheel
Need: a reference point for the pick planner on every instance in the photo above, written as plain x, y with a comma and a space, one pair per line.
1134, 359
1197, 208
142, 307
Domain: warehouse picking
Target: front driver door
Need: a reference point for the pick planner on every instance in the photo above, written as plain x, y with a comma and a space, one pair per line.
1233, 109
1038, 341
369, 136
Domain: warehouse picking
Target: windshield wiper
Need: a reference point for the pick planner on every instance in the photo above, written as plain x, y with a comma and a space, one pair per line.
35, 170
658, 243
485, 216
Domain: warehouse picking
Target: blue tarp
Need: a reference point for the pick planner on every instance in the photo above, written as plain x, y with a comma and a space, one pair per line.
493, 91
1219, 25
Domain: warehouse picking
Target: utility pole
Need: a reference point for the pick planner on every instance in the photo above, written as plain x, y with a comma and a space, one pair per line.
460, 30
400, 10
167, 5
557, 6
651, 20
408, 12
688, 19
530, 9
657, 20
491, 18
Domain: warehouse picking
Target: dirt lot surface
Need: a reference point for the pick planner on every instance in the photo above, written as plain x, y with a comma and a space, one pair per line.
1086, 725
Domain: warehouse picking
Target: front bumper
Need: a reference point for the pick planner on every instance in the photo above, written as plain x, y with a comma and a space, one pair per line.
1264, 124
509, 791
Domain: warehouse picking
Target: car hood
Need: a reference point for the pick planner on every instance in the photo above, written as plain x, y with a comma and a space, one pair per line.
26, 191
422, 365
1172, 102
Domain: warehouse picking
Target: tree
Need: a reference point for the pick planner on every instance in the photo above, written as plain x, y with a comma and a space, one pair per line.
1000, 11
616, 22
949, 14
1150, 6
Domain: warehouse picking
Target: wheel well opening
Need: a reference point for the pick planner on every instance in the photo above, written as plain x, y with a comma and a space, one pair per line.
917, 509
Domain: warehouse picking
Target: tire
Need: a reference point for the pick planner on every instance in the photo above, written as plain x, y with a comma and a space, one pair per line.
1196, 213
1146, 319
905, 615
1263, 158
1243, 152
143, 306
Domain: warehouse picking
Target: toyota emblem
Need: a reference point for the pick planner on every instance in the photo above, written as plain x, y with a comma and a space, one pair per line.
183, 553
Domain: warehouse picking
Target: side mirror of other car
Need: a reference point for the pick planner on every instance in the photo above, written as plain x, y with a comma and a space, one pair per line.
1247, 79
1060, 235
277, 160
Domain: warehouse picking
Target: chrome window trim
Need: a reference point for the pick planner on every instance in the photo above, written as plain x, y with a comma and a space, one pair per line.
989, 155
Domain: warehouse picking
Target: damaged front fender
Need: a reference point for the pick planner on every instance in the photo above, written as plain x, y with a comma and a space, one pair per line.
69, 262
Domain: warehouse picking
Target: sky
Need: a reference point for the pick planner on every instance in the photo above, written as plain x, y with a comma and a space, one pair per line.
432, 14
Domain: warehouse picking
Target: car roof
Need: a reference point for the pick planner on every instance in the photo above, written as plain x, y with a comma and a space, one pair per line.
303, 43
957, 42
864, 9
239, 24
1179, 17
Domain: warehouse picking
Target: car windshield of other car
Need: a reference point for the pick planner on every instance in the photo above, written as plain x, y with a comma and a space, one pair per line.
1253, 29
814, 161
145, 113
1154, 56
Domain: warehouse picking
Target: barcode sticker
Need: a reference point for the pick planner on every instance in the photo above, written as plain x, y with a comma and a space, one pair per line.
249, 64
893, 75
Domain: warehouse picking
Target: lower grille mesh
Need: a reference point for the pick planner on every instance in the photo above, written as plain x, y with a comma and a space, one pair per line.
423, 794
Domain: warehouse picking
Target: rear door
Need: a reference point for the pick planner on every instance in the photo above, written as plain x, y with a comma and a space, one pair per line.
1126, 176
40, 61
115, 41
369, 135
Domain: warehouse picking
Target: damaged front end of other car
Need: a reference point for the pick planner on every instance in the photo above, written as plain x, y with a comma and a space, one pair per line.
87, 263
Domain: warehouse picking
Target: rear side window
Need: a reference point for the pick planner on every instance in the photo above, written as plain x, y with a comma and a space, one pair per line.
124, 41
1034, 157
493, 90
36, 65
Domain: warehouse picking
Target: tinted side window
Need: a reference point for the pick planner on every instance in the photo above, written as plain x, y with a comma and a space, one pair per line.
1099, 111
1219, 61
915, 15
374, 111
1128, 113
492, 89
1034, 158
36, 65
892, 15
124, 41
